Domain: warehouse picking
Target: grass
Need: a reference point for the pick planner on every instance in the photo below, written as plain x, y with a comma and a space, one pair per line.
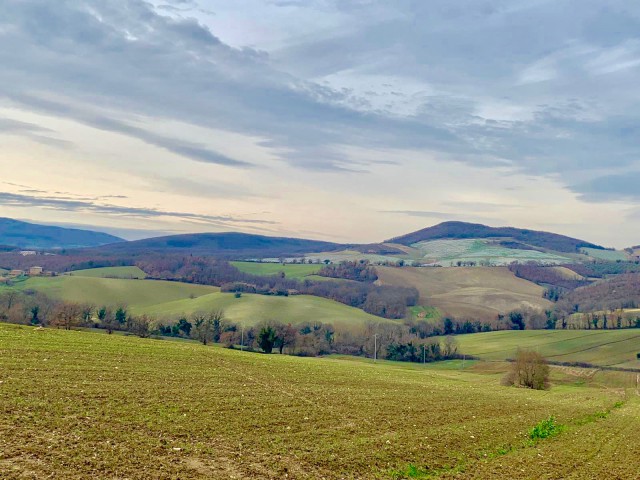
598, 347
170, 300
88, 405
291, 270
424, 313
251, 309
608, 255
473, 292
137, 294
545, 429
110, 272
446, 252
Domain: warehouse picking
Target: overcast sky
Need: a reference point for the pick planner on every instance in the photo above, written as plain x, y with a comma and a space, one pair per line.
345, 120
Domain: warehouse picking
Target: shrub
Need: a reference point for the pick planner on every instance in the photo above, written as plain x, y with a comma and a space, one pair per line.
545, 429
529, 370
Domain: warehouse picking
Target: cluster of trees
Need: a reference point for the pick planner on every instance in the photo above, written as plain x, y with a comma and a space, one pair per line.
33, 308
383, 301
546, 275
359, 270
425, 352
620, 291
601, 269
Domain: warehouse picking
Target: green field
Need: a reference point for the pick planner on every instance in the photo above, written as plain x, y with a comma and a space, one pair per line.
251, 309
137, 294
600, 347
110, 272
448, 252
87, 405
169, 300
291, 270
608, 255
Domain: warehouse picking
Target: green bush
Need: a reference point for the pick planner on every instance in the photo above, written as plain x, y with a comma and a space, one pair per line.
545, 429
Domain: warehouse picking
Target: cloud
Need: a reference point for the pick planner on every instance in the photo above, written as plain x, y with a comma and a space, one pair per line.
190, 150
617, 187
544, 88
32, 131
70, 204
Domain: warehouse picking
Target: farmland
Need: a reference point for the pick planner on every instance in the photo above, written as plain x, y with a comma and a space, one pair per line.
449, 252
290, 270
137, 294
251, 309
169, 300
110, 272
608, 255
80, 404
475, 292
599, 347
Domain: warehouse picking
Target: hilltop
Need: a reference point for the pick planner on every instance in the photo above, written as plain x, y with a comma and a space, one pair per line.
226, 244
510, 237
30, 235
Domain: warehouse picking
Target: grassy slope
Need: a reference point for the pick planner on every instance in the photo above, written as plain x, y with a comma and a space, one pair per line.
609, 255
110, 272
250, 309
172, 299
444, 252
99, 406
600, 347
290, 270
111, 291
477, 292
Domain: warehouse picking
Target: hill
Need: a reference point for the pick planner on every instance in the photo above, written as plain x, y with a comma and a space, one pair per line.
511, 237
112, 406
170, 300
227, 245
110, 272
136, 294
468, 292
614, 348
30, 235
250, 309
290, 270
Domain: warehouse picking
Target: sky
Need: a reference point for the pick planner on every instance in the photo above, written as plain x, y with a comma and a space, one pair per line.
343, 120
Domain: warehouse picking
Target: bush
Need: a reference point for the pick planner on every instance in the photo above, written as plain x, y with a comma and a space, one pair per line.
529, 370
545, 429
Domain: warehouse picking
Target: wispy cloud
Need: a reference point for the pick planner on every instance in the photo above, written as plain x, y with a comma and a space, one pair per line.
70, 204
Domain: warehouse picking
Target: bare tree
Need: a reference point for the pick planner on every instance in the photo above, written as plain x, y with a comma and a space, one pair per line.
529, 370
141, 326
208, 326
67, 315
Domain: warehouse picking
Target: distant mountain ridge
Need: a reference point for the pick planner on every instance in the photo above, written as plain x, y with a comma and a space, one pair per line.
224, 244
463, 230
34, 236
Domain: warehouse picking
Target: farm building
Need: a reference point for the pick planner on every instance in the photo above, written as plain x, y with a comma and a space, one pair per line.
26, 253
35, 271
16, 273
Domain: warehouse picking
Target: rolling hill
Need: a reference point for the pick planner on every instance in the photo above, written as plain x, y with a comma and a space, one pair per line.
468, 292
170, 300
616, 348
228, 245
30, 235
510, 237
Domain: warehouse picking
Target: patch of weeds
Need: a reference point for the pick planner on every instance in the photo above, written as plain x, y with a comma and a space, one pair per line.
412, 471
545, 429
618, 404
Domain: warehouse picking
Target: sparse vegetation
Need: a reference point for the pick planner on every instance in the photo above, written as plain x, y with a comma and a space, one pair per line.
115, 406
530, 370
